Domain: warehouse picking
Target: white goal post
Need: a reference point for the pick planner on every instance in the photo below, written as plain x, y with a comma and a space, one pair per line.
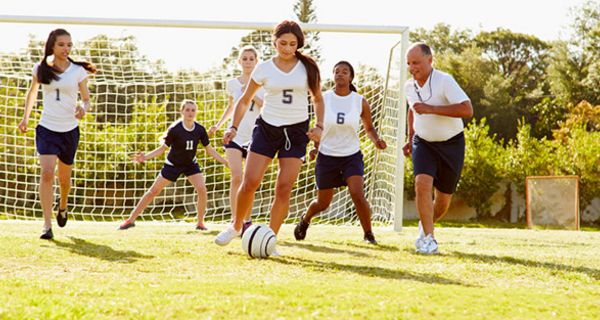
134, 102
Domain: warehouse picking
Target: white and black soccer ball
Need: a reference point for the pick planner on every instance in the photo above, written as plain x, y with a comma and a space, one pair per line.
259, 241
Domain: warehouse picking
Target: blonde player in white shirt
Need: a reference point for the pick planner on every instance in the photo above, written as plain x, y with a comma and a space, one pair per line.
436, 139
237, 149
339, 160
282, 129
57, 134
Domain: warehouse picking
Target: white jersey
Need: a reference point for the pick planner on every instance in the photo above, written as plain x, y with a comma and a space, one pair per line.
286, 94
244, 131
60, 99
341, 124
439, 90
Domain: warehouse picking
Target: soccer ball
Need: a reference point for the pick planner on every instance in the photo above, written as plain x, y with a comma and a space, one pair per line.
259, 241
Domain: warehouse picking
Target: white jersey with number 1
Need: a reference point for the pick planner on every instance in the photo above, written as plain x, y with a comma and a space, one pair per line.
286, 93
244, 132
60, 99
341, 124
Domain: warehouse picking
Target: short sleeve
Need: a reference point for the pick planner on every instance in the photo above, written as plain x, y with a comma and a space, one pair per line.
169, 137
229, 87
82, 74
34, 71
453, 92
204, 137
258, 75
410, 93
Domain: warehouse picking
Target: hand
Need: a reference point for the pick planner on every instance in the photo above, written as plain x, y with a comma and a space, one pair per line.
23, 126
314, 134
422, 108
139, 157
212, 130
79, 112
313, 154
229, 135
380, 144
407, 149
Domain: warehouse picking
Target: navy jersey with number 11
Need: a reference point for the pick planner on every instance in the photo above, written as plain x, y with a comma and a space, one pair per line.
184, 143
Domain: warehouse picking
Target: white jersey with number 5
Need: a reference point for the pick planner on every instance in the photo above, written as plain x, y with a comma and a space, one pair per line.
341, 124
286, 94
60, 99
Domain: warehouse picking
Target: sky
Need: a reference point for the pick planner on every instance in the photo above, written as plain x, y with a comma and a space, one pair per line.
200, 49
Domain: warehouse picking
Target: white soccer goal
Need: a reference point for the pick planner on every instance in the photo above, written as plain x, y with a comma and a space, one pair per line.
135, 100
552, 201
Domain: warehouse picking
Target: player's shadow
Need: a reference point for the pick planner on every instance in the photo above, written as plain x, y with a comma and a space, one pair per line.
380, 247
99, 251
323, 249
594, 273
211, 233
369, 271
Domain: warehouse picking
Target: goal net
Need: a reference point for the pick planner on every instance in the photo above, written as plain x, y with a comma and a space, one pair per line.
553, 201
135, 99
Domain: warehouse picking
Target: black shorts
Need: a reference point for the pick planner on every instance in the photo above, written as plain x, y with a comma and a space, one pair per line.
332, 172
233, 145
171, 173
62, 144
286, 141
442, 160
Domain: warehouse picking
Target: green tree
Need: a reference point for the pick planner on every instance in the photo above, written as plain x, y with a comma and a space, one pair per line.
442, 39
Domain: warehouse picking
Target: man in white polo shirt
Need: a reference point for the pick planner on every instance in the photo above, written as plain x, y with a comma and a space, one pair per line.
436, 140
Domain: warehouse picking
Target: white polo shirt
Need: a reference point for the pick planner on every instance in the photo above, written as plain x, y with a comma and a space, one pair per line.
440, 89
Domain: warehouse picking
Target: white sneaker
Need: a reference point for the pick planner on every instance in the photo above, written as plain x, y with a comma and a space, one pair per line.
429, 246
225, 236
421, 237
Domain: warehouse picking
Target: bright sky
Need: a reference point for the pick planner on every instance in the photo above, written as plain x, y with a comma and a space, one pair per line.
183, 48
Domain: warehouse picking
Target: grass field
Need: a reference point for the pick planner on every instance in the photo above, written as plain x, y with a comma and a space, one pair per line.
158, 271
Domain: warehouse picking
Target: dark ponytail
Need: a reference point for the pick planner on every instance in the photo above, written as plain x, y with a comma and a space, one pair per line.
45, 72
312, 69
352, 87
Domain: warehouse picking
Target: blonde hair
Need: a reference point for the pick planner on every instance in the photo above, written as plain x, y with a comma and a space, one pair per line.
246, 49
185, 102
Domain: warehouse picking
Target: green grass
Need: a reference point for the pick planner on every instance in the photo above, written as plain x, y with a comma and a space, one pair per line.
158, 271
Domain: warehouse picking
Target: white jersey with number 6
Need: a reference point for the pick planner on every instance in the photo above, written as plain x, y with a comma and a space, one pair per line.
60, 99
286, 94
341, 124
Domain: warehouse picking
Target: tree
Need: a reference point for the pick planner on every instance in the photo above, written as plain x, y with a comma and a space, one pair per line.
305, 10
442, 39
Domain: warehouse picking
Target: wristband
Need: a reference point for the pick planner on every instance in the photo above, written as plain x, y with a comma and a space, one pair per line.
234, 128
318, 125
86, 106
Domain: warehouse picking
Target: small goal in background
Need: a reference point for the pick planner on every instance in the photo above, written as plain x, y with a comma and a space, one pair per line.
552, 201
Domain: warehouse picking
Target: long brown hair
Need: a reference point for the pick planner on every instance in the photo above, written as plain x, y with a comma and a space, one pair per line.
46, 73
312, 69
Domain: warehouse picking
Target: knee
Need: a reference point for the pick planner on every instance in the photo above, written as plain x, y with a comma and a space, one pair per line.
47, 176
236, 179
201, 190
423, 186
249, 185
284, 189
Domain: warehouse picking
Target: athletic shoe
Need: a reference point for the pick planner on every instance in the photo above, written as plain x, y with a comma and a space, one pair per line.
126, 225
201, 227
300, 230
61, 217
370, 238
245, 226
429, 246
419, 241
225, 236
47, 234
275, 253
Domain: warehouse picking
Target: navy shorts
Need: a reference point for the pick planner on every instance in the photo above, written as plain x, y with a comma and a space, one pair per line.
332, 172
61, 144
171, 173
286, 141
442, 160
233, 145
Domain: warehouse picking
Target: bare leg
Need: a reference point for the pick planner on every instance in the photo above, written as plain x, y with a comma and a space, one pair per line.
324, 197
234, 157
441, 204
64, 181
356, 189
159, 184
423, 189
289, 168
48, 166
251, 182
197, 180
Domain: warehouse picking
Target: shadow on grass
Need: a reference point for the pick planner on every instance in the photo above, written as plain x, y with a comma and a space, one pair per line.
211, 233
369, 271
323, 249
594, 273
363, 245
100, 251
